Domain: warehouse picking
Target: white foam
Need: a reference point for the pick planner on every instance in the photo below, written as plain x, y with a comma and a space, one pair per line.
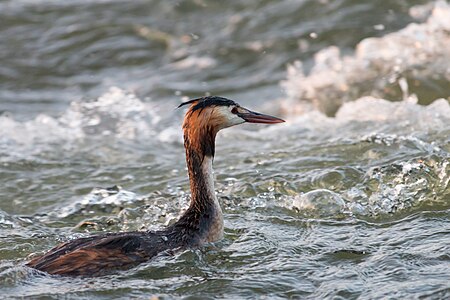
417, 51
380, 110
371, 119
383, 191
319, 202
116, 114
98, 197
395, 181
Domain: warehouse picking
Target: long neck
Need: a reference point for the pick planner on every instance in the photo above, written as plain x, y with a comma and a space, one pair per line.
199, 163
201, 180
204, 214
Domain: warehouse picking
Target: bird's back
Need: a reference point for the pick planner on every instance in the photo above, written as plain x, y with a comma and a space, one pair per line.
100, 254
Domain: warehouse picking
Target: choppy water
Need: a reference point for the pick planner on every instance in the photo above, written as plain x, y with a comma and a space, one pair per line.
351, 205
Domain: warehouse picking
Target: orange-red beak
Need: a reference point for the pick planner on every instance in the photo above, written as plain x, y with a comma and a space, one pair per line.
254, 117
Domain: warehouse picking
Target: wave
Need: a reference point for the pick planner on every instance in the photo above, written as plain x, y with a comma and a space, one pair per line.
393, 189
414, 60
116, 115
375, 158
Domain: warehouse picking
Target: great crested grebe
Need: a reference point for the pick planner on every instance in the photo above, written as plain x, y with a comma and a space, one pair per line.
202, 222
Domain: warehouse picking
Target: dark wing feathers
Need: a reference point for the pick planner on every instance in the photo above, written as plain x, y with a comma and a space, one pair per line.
93, 255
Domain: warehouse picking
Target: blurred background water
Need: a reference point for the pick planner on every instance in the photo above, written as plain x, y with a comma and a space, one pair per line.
348, 199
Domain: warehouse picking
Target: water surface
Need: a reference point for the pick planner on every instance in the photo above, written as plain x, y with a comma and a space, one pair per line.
348, 199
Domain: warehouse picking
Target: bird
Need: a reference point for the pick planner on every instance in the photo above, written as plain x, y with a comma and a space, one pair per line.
201, 223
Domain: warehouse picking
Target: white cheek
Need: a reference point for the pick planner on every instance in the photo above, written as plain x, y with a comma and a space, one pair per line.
234, 120
229, 118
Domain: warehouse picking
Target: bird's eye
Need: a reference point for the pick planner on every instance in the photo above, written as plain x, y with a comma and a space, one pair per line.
234, 110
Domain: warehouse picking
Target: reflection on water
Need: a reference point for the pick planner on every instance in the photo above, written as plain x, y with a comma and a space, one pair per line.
354, 205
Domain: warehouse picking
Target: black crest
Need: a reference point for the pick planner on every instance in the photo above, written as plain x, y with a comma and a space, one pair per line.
208, 101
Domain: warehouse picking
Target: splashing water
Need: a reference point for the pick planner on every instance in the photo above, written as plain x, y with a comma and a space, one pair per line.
380, 67
350, 206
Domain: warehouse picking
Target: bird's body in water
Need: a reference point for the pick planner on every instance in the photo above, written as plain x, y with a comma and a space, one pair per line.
201, 223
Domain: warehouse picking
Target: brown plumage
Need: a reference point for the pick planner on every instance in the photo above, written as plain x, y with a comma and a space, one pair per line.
202, 222
94, 255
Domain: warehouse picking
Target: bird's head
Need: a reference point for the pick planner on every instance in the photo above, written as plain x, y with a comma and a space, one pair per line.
207, 115
219, 113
